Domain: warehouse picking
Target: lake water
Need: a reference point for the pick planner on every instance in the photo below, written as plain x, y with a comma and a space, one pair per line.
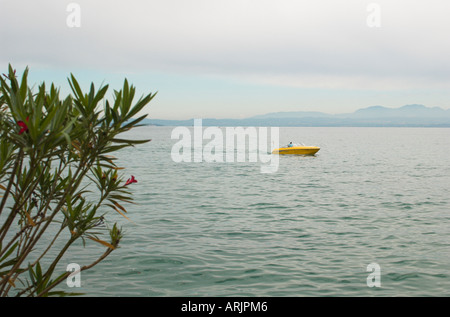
370, 195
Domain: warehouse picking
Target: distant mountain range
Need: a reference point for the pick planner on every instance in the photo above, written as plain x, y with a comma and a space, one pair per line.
375, 116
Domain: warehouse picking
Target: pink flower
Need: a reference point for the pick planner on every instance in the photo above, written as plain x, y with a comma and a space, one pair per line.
23, 126
131, 180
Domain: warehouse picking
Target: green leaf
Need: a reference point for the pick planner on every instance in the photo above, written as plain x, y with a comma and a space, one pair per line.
76, 87
140, 105
24, 85
133, 123
129, 142
101, 93
8, 263
11, 250
64, 294
38, 272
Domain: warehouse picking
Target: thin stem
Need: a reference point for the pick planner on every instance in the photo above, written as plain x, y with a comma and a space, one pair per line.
42, 211
11, 180
86, 267
36, 236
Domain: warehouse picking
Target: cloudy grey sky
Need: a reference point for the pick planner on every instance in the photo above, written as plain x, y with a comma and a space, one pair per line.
236, 58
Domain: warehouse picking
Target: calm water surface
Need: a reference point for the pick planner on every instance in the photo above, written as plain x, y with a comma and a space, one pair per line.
370, 195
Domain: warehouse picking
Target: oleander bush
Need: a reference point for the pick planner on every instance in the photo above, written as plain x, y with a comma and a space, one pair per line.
59, 180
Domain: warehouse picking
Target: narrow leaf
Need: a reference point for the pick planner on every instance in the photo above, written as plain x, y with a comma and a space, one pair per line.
106, 244
11, 250
11, 282
30, 220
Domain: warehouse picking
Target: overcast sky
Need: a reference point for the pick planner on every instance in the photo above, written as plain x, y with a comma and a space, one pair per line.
237, 58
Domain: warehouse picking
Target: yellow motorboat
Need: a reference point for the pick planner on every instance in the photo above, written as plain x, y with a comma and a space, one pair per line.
297, 149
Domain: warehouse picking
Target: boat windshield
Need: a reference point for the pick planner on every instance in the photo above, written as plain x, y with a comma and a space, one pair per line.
294, 144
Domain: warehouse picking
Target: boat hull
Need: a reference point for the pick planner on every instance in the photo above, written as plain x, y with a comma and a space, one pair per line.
299, 150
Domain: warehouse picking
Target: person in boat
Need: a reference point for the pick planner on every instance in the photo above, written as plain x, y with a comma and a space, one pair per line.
290, 144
